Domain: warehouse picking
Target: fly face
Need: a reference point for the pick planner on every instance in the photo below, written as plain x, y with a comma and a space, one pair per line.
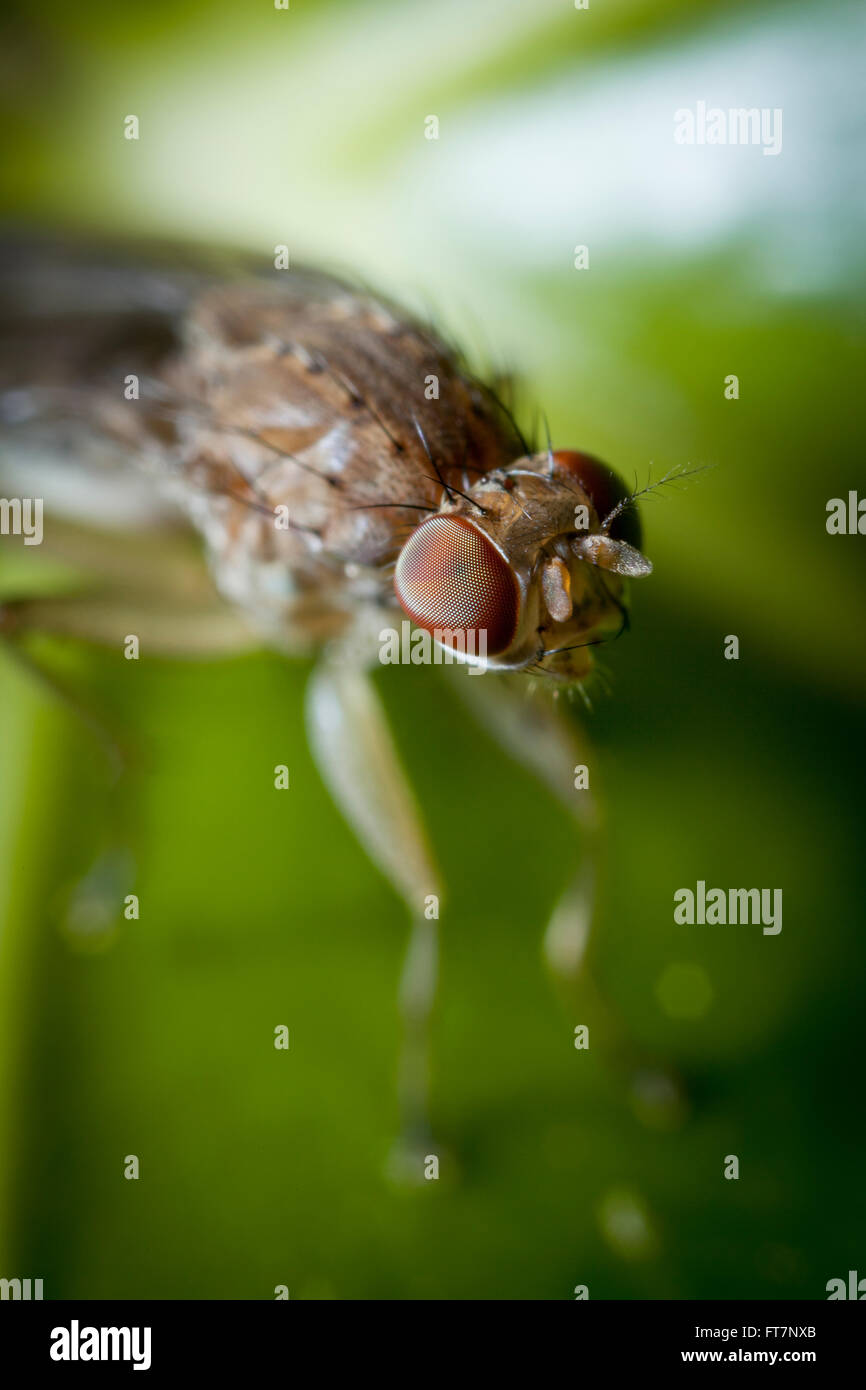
529, 567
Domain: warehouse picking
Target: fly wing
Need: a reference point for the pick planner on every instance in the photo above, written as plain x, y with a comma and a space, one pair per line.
76, 323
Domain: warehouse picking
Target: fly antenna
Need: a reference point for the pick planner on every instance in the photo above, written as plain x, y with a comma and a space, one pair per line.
673, 475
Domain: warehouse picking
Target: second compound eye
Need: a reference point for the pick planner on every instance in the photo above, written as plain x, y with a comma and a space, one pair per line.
451, 577
606, 489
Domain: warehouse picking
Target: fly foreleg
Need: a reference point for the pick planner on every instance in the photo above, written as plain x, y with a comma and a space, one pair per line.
356, 755
541, 735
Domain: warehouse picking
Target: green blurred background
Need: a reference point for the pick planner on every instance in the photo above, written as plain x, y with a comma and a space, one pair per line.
155, 1037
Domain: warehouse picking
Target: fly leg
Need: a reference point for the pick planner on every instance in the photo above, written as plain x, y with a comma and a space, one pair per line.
107, 617
355, 753
155, 590
107, 620
540, 735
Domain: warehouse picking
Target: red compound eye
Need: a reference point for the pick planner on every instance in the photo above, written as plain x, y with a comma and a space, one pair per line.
606, 489
449, 575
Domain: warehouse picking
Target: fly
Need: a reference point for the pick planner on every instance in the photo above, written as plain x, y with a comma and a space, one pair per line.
346, 472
